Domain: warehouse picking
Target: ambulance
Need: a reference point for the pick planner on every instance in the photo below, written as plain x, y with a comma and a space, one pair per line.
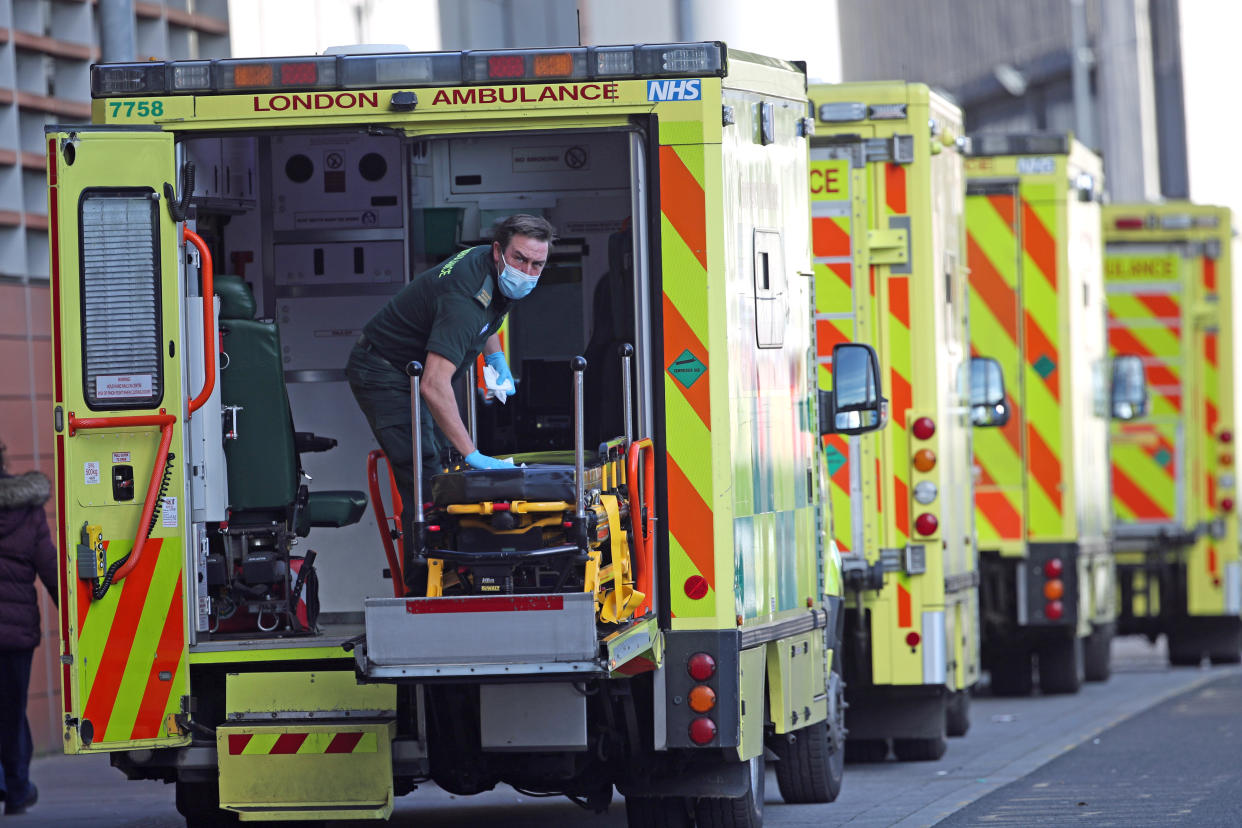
1042, 513
646, 601
1169, 276
890, 271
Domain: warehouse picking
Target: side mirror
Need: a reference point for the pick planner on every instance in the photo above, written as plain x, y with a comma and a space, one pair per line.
856, 404
1128, 395
988, 408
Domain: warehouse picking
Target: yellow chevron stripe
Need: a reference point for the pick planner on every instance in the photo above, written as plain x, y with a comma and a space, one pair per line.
685, 280
695, 159
688, 437
260, 744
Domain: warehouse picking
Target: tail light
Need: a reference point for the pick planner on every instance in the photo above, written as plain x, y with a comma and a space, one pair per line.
1226, 503
702, 730
1054, 589
925, 460
913, 638
702, 698
1226, 436
701, 666
1226, 459
1053, 568
1054, 610
926, 524
1129, 224
924, 428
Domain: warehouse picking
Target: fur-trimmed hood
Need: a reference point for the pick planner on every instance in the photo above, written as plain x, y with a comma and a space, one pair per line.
23, 490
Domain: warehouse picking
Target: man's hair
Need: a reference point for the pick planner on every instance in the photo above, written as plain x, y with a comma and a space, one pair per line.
523, 224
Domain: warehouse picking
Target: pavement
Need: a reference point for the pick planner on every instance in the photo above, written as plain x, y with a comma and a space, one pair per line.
985, 778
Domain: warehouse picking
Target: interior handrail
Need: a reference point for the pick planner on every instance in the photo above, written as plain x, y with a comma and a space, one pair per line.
209, 322
642, 516
382, 520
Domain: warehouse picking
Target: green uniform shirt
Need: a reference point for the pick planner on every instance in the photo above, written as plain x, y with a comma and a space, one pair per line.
450, 310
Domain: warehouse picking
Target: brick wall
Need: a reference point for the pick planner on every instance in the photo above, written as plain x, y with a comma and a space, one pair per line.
25, 428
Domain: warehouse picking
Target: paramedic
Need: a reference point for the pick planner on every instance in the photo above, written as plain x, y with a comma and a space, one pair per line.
443, 318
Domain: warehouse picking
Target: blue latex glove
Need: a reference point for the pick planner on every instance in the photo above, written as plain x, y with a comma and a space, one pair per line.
478, 460
497, 361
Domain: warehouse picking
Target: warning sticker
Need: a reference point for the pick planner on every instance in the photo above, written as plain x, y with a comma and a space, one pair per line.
91, 473
120, 457
168, 513
687, 368
122, 386
549, 159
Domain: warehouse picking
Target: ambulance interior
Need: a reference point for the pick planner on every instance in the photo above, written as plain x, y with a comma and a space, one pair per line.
323, 228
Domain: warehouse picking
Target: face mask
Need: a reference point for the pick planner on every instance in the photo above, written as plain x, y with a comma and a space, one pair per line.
514, 283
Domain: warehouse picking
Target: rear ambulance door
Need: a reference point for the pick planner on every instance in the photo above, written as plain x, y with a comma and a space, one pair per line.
1144, 284
994, 255
118, 390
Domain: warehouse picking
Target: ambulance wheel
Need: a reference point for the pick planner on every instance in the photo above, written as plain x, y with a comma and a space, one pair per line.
919, 750
812, 758
199, 803
1011, 674
1184, 650
957, 713
866, 750
1061, 665
1225, 643
657, 812
1097, 653
745, 811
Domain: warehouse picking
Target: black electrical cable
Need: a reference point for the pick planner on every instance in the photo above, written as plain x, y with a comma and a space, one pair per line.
100, 588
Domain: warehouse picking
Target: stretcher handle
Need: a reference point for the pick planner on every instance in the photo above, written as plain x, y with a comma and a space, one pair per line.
209, 322
414, 369
165, 422
642, 517
382, 519
626, 352
579, 365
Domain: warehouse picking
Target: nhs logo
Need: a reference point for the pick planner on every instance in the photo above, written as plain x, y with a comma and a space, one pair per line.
675, 90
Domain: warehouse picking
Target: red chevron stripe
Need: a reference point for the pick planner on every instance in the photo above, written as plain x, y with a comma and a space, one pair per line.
288, 743
1209, 275
905, 617
1162, 306
844, 271
678, 338
344, 742
1213, 417
902, 394
1210, 480
901, 506
829, 238
826, 335
879, 489
1039, 244
682, 200
1135, 499
238, 742
991, 287
116, 652
1003, 205
1122, 341
895, 187
899, 299
1044, 465
1000, 513
167, 660
690, 521
1209, 348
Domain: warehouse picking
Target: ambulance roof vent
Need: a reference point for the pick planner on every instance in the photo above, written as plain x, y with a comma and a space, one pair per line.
366, 49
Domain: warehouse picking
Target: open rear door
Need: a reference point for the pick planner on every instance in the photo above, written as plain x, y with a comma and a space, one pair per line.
120, 404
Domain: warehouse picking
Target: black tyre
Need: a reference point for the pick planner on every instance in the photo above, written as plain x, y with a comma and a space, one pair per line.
657, 812
812, 758
866, 750
1225, 644
199, 803
745, 811
919, 750
1184, 650
1061, 666
957, 714
1011, 674
1097, 654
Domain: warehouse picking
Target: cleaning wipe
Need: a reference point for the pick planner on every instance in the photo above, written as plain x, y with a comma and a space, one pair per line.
502, 390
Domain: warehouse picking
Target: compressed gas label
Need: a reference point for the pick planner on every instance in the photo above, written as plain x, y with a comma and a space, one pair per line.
91, 473
168, 513
122, 386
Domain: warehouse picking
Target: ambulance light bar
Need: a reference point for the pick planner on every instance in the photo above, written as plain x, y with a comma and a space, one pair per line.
845, 112
197, 77
984, 144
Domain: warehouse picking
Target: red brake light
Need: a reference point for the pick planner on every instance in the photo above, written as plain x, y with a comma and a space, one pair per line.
1054, 610
1226, 436
295, 73
926, 524
1129, 224
913, 638
701, 666
924, 428
1226, 503
1053, 568
506, 66
702, 730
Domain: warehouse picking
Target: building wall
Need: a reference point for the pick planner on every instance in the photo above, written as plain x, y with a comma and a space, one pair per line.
46, 48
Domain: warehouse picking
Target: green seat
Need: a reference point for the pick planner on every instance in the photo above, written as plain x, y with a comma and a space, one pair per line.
264, 468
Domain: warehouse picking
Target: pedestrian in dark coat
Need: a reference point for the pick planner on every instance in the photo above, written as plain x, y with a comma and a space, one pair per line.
25, 551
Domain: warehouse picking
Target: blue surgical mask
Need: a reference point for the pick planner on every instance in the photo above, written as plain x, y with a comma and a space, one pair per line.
514, 283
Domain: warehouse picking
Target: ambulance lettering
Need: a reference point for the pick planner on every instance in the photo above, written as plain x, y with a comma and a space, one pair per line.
675, 90
525, 94
319, 100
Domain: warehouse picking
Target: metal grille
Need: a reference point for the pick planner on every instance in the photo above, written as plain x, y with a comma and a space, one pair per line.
120, 299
